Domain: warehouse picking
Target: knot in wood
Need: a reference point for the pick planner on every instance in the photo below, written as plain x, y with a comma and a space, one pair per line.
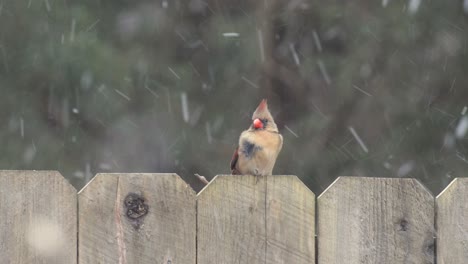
135, 205
404, 225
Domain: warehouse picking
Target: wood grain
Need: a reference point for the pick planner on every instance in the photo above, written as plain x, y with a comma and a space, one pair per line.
37, 218
231, 220
452, 223
375, 220
290, 221
113, 226
248, 219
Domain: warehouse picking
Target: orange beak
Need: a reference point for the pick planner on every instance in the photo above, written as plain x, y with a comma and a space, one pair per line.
257, 123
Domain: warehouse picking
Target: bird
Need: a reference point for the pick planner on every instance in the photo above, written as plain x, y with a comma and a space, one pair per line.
259, 145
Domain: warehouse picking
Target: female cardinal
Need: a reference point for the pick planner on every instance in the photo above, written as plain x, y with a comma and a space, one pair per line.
259, 145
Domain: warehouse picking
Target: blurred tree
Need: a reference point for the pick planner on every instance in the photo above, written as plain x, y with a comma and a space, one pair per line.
358, 87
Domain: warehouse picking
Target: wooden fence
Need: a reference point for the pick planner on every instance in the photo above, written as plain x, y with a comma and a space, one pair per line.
158, 218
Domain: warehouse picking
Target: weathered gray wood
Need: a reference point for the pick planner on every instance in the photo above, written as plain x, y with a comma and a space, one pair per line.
452, 223
290, 221
231, 220
248, 219
37, 218
113, 226
375, 220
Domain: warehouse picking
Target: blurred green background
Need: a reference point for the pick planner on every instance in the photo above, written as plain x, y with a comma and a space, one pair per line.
365, 88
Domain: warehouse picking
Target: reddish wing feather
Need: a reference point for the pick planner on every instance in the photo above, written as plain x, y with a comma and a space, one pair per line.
234, 159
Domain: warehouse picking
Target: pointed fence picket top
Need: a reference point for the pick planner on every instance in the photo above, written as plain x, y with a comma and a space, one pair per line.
37, 218
375, 220
248, 219
290, 221
452, 223
137, 218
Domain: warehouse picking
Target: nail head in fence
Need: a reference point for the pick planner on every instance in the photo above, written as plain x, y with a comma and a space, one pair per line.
375, 220
37, 218
452, 224
137, 218
248, 219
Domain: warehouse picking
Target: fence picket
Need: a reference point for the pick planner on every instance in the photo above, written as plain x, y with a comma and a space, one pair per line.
248, 219
137, 218
452, 224
37, 218
375, 220
290, 221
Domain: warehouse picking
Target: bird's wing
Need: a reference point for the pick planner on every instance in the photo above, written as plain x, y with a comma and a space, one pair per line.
280, 146
235, 158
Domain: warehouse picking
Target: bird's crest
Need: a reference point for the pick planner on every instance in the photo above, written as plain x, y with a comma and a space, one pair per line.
262, 111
